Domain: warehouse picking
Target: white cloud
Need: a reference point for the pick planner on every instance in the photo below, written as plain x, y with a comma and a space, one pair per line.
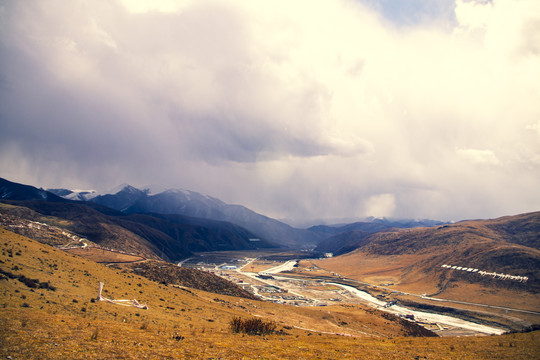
534, 127
144, 6
476, 156
474, 14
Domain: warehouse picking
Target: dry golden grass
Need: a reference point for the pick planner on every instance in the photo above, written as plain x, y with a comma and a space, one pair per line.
400, 273
31, 334
404, 273
103, 255
66, 323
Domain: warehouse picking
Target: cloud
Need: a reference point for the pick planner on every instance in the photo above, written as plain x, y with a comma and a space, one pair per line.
476, 156
534, 127
382, 205
144, 6
333, 112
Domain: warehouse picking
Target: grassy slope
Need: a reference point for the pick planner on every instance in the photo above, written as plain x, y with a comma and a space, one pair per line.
167, 273
152, 236
82, 220
411, 259
65, 323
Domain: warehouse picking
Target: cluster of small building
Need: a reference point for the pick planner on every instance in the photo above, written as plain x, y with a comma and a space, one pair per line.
486, 273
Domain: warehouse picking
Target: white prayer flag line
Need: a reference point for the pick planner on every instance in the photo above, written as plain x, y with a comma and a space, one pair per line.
486, 273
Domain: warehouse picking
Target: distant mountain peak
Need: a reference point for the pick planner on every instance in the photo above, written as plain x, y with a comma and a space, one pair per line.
124, 188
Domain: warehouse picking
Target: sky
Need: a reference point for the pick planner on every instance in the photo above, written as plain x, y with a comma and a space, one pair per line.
304, 110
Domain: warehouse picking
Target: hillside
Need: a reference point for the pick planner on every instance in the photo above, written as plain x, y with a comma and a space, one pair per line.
344, 238
189, 203
484, 250
197, 234
153, 237
372, 225
344, 242
15, 191
170, 274
48, 310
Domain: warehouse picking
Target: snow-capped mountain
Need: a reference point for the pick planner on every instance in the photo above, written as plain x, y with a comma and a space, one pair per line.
121, 199
170, 237
82, 195
131, 200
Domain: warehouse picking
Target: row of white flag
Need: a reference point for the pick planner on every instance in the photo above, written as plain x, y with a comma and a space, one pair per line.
486, 273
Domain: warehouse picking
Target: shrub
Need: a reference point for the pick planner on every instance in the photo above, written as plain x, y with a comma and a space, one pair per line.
31, 283
177, 337
253, 326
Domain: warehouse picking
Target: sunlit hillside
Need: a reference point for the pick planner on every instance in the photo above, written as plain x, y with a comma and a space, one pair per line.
48, 309
493, 263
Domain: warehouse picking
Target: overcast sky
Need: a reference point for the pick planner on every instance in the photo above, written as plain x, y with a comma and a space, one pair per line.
304, 109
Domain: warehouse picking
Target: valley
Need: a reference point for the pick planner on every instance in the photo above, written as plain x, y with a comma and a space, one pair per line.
377, 289
65, 320
302, 284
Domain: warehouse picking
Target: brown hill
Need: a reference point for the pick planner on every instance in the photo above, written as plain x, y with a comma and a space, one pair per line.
169, 237
170, 274
484, 251
75, 219
48, 310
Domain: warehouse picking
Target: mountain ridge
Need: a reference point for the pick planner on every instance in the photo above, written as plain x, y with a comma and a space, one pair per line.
171, 237
131, 200
184, 202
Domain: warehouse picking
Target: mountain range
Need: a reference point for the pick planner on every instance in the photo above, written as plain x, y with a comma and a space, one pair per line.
131, 200
168, 236
173, 224
341, 239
